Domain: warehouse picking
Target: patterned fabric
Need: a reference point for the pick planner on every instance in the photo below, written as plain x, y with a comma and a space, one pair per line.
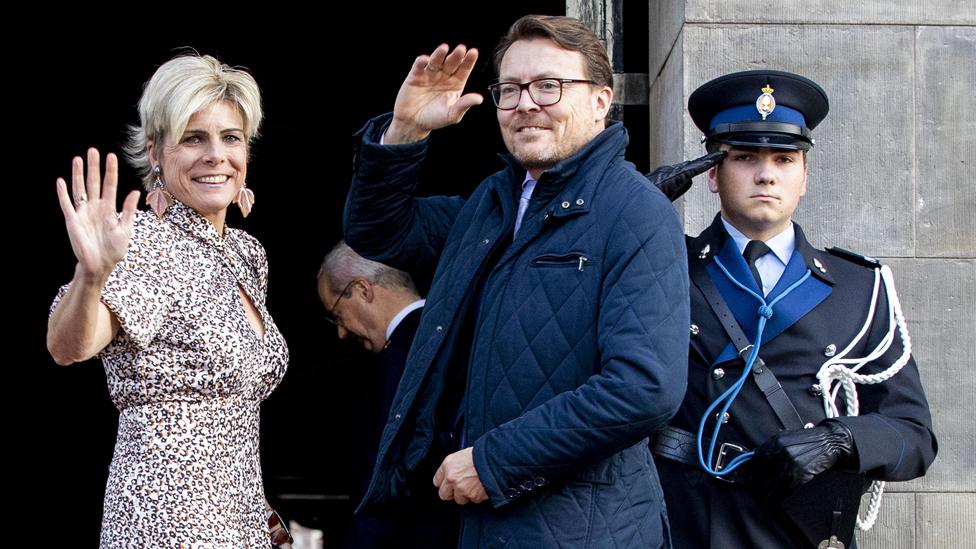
188, 373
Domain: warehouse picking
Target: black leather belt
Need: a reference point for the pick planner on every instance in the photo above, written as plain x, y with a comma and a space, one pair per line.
682, 446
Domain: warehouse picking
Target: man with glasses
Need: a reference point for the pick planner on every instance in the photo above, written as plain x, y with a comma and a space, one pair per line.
366, 300
554, 338
379, 307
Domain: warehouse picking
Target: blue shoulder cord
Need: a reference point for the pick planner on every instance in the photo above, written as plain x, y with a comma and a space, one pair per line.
765, 312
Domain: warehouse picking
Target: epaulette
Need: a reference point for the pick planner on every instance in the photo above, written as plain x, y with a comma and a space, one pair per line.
862, 260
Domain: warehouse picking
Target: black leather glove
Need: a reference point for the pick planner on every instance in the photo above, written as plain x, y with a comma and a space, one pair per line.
792, 458
675, 180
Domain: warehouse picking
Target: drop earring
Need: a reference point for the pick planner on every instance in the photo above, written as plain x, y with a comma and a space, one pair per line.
158, 198
245, 199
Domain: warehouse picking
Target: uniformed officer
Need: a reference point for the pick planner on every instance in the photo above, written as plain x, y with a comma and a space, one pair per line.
801, 386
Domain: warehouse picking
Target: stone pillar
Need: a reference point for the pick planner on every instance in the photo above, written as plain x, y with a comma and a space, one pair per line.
891, 176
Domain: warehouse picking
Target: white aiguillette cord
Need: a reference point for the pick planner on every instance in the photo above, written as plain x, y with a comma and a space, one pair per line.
839, 372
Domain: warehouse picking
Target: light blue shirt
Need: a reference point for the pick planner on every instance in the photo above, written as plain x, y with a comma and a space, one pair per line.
771, 265
528, 186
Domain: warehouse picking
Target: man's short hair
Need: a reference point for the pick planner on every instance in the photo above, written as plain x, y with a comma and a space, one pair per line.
568, 33
342, 265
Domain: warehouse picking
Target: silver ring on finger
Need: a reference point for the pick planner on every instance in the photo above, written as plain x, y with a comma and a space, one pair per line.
81, 199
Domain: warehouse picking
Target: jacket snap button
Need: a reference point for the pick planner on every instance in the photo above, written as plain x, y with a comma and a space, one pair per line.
565, 204
579, 201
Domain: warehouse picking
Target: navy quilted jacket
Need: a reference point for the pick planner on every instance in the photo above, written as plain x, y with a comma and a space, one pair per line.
580, 348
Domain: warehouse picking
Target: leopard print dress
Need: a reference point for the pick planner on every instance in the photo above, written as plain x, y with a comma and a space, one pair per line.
188, 373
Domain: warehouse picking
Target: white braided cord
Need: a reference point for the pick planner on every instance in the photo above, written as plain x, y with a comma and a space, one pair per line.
839, 372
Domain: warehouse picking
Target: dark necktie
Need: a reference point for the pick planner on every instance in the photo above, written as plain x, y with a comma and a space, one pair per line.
754, 250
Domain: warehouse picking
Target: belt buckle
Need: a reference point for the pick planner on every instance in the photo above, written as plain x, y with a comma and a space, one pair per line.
744, 353
726, 453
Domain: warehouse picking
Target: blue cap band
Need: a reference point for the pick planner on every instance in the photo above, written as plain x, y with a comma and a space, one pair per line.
743, 113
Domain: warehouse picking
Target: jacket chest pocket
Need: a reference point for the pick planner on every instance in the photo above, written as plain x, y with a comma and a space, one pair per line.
572, 260
563, 286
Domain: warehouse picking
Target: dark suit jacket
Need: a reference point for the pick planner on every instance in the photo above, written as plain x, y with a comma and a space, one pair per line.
401, 528
893, 433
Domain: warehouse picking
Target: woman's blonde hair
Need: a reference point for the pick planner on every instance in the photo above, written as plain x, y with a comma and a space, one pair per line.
180, 88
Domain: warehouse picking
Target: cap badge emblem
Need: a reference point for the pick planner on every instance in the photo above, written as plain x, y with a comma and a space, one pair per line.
765, 104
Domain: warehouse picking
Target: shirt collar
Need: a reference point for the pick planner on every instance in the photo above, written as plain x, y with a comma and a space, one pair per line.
186, 218
528, 186
782, 245
401, 315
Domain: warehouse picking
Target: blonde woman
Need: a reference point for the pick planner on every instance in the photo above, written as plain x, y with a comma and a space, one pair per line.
173, 303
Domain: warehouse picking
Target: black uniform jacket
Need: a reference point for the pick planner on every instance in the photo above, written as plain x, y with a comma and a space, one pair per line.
893, 433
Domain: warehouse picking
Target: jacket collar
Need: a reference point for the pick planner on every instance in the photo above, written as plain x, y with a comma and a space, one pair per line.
709, 243
570, 195
715, 241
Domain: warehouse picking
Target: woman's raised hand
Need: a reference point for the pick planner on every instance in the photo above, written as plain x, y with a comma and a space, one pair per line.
99, 234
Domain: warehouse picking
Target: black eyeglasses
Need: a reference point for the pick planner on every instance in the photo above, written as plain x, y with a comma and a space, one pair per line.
330, 314
543, 92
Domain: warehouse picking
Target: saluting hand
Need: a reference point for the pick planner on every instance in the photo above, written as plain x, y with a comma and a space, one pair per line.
99, 234
676, 179
431, 96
